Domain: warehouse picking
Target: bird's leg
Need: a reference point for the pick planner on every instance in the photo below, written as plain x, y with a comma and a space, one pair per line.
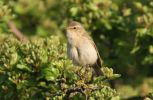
81, 69
79, 72
86, 69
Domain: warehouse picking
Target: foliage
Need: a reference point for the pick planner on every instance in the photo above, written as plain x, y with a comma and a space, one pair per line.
122, 30
150, 96
41, 70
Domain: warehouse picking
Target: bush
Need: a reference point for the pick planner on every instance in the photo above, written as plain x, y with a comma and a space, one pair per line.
40, 69
122, 30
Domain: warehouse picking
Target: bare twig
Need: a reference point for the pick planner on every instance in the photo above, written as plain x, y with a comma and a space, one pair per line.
17, 32
81, 90
72, 90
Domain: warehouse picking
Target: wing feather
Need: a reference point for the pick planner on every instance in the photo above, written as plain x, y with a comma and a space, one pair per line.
99, 60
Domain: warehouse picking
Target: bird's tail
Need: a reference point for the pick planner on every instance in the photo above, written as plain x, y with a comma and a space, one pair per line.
97, 70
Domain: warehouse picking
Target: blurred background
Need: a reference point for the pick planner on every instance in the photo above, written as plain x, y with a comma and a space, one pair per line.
121, 29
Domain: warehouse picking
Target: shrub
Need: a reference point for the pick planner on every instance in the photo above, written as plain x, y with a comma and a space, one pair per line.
40, 69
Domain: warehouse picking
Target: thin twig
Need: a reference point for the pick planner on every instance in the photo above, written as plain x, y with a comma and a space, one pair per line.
80, 90
72, 90
17, 32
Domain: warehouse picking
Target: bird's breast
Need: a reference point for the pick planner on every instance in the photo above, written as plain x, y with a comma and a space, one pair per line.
73, 54
87, 52
83, 53
72, 39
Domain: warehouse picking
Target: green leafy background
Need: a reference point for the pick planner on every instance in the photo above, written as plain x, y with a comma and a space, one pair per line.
122, 31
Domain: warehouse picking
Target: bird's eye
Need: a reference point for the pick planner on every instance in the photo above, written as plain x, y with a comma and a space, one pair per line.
74, 27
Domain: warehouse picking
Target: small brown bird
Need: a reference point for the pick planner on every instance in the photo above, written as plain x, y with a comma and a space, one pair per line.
81, 49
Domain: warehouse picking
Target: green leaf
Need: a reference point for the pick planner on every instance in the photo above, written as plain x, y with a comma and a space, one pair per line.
24, 67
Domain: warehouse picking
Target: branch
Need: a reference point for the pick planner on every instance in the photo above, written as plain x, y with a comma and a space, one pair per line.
80, 90
17, 32
72, 90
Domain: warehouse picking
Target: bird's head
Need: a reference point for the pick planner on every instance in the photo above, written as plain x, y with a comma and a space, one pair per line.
74, 29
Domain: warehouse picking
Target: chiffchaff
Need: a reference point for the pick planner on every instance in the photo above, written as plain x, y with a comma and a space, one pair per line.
81, 49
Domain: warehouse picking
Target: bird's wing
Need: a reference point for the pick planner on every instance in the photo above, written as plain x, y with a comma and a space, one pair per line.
99, 60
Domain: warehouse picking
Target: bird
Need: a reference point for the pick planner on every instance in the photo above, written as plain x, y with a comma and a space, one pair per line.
81, 48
